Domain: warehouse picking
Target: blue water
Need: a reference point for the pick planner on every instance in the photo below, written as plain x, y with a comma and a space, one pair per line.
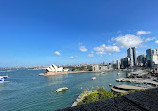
24, 90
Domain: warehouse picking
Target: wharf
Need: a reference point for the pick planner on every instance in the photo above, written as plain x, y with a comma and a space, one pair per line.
138, 80
125, 88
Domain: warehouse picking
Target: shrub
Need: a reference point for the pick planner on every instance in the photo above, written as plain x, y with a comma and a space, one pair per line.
101, 94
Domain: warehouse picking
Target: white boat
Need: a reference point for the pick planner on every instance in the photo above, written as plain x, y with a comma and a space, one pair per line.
94, 78
61, 89
2, 78
110, 84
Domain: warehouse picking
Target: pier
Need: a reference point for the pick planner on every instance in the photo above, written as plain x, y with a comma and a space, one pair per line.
138, 80
125, 88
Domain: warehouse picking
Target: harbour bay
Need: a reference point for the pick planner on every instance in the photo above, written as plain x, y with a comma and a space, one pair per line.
24, 90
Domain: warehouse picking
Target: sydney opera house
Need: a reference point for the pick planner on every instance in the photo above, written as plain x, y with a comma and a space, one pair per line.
54, 68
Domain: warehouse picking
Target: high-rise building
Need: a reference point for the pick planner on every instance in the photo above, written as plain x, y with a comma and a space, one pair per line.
134, 56
154, 57
151, 57
148, 57
118, 64
141, 60
125, 62
131, 53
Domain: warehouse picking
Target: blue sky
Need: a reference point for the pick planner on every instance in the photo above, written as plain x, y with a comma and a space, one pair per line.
42, 32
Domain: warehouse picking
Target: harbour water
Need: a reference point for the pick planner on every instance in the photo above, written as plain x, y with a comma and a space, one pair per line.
24, 90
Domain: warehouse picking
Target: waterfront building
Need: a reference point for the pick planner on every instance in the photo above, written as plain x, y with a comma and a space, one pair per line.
110, 66
141, 60
54, 68
125, 62
98, 68
131, 53
118, 64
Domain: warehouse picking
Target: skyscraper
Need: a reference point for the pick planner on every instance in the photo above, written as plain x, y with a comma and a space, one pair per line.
134, 56
131, 53
125, 62
118, 64
151, 57
141, 59
148, 57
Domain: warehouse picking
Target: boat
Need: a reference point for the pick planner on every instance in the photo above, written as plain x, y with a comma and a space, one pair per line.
61, 89
118, 73
94, 78
110, 84
2, 78
102, 72
5, 77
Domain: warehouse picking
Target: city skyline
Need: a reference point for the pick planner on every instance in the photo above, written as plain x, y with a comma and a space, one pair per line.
38, 33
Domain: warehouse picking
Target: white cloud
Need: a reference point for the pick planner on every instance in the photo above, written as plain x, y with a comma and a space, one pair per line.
57, 53
156, 41
83, 49
91, 55
103, 48
128, 40
71, 57
143, 32
100, 48
100, 53
92, 52
150, 39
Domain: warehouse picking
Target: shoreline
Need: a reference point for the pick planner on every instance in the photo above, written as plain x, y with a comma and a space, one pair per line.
62, 73
3, 71
81, 97
70, 72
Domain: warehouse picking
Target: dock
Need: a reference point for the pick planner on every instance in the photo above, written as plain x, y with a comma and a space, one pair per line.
125, 88
138, 80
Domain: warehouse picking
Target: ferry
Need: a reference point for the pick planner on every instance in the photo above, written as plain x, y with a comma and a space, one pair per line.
61, 89
2, 78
